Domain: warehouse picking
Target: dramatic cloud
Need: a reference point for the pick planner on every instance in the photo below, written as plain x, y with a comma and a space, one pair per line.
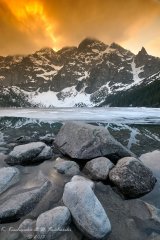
27, 25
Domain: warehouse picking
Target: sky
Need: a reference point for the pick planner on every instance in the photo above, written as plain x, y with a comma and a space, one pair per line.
29, 25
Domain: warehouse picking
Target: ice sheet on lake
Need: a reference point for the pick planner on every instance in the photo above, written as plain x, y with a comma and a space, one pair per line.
117, 115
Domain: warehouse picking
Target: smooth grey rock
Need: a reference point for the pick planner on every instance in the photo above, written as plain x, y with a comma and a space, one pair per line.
132, 177
69, 168
85, 141
98, 168
22, 203
53, 223
84, 180
87, 212
29, 153
27, 228
8, 177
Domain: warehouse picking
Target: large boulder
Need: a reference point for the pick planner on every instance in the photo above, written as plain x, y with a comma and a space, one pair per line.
132, 177
69, 168
98, 168
87, 212
8, 177
29, 153
51, 224
85, 141
22, 203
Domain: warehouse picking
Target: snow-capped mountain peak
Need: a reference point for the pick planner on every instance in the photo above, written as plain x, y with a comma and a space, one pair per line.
74, 76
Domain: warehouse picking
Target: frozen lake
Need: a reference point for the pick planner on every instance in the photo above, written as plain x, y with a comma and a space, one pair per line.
120, 115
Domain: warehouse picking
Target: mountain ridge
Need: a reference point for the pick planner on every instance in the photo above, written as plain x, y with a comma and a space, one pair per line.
74, 76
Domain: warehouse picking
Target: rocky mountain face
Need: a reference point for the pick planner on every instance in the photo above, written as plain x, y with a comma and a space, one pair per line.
91, 74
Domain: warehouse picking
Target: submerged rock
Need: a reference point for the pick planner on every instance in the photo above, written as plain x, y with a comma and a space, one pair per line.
87, 212
154, 212
22, 203
53, 223
130, 219
152, 161
47, 139
27, 228
4, 150
69, 168
132, 177
29, 153
23, 140
84, 141
98, 168
8, 177
3, 157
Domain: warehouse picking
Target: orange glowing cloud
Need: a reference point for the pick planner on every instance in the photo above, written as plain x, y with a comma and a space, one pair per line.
28, 25
31, 17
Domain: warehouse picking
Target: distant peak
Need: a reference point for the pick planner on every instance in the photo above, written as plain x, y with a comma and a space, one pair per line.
66, 49
46, 50
121, 49
88, 42
116, 46
142, 51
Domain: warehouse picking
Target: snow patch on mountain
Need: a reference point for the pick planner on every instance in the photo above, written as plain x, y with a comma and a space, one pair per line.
57, 68
136, 71
86, 75
50, 99
153, 77
47, 75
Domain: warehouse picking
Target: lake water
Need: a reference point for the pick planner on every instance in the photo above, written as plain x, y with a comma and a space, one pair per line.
136, 128
110, 115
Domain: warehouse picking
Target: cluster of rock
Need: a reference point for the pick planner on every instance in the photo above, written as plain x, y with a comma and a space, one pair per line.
90, 154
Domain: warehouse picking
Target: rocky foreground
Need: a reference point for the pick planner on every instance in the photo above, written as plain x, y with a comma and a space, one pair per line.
81, 184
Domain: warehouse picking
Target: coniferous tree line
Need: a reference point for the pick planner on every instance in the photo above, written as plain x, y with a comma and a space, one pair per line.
140, 96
